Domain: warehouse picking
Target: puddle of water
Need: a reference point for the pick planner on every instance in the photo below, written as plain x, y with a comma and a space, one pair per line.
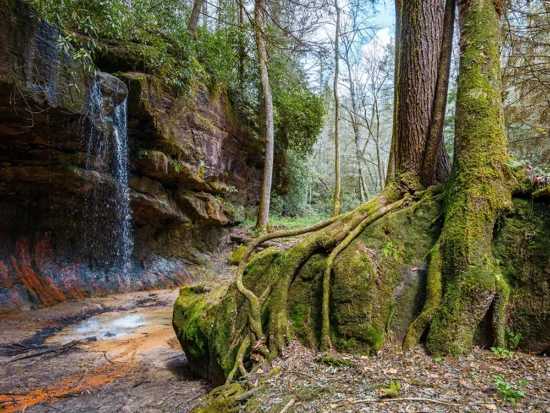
120, 327
112, 326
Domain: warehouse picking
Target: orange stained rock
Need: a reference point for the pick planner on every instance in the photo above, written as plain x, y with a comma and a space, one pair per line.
5, 281
98, 377
70, 281
42, 287
100, 292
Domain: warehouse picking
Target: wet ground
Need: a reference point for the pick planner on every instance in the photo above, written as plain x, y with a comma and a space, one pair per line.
111, 354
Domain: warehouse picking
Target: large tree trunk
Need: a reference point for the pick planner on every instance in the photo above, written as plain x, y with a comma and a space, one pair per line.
478, 190
419, 51
336, 202
259, 28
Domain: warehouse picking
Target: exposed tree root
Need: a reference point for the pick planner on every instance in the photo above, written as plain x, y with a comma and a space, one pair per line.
239, 365
354, 233
434, 295
333, 234
254, 301
500, 307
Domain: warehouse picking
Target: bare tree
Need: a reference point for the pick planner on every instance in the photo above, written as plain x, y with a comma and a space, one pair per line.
259, 28
194, 19
336, 206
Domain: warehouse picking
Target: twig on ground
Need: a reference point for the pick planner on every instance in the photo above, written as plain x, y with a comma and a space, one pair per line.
288, 405
402, 399
43, 351
246, 395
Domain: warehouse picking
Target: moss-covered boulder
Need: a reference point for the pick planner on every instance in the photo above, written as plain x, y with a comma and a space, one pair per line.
522, 248
377, 288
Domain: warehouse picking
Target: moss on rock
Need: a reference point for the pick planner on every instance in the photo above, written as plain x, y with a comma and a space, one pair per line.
522, 249
375, 295
236, 256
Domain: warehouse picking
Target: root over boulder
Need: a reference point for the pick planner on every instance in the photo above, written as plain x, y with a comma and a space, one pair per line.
377, 289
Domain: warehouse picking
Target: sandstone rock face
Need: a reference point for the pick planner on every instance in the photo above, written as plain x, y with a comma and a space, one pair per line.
192, 166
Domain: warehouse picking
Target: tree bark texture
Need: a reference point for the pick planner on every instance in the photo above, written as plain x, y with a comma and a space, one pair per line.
436, 165
478, 191
259, 27
421, 35
423, 50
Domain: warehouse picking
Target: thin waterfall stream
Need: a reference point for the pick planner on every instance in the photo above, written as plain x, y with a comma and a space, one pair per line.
108, 232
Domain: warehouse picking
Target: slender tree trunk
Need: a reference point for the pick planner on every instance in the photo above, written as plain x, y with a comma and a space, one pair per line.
364, 185
241, 45
390, 174
194, 19
434, 170
478, 190
363, 188
259, 27
381, 178
336, 206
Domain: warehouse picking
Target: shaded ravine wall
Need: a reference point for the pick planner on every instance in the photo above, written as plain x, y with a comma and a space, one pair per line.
192, 165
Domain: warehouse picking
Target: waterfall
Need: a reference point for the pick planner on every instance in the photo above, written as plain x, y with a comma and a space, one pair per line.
124, 212
107, 213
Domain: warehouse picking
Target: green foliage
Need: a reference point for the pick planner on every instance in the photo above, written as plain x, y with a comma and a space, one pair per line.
502, 352
390, 250
298, 117
510, 392
158, 28
297, 173
512, 338
514, 163
277, 205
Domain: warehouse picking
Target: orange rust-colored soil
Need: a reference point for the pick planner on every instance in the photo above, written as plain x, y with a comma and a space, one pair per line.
19, 400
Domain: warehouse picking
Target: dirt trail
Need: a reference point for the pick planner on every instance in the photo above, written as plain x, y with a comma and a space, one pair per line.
111, 354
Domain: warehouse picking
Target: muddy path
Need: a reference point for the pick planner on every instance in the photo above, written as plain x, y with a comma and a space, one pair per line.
111, 354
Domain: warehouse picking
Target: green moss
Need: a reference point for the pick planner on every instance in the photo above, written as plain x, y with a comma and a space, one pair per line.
375, 338
479, 188
373, 296
522, 248
193, 318
221, 400
298, 315
373, 292
392, 391
335, 361
236, 256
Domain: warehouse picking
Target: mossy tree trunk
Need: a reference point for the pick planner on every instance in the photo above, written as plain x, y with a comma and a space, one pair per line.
420, 29
478, 191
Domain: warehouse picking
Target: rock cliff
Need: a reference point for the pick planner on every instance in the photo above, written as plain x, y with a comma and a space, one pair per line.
192, 166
